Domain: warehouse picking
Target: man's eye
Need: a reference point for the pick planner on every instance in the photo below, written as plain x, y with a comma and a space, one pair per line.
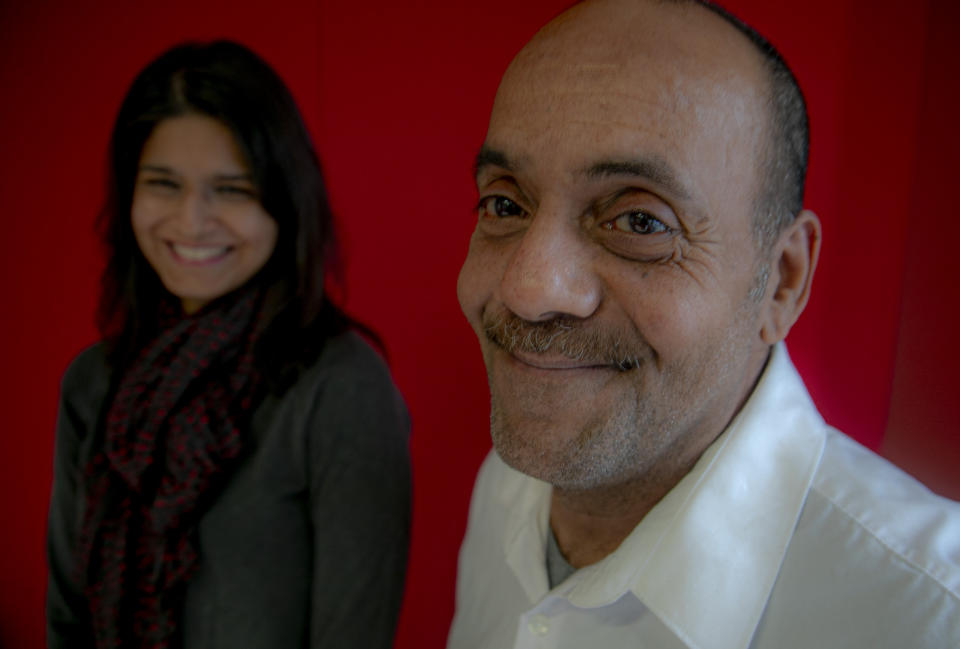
637, 223
500, 206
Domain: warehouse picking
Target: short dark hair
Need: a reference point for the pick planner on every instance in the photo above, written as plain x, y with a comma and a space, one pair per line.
784, 159
230, 83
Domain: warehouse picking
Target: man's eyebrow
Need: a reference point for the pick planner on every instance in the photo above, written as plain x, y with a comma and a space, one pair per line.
654, 169
488, 157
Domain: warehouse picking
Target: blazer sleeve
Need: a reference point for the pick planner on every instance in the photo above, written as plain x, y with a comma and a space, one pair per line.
360, 499
82, 394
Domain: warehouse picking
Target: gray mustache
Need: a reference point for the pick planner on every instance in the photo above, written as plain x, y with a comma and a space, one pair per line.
563, 335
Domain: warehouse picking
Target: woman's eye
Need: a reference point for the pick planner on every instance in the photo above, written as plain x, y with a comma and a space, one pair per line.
500, 206
161, 183
235, 191
638, 222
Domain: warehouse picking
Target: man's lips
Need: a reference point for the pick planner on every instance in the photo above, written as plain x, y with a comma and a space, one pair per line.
555, 362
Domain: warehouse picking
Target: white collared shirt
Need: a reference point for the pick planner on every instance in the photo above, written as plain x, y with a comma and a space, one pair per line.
785, 534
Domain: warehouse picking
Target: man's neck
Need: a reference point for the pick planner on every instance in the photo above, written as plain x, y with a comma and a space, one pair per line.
589, 525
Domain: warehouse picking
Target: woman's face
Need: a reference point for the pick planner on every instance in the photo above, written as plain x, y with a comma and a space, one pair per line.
196, 212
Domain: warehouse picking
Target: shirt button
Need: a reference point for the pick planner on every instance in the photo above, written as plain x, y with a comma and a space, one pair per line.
539, 625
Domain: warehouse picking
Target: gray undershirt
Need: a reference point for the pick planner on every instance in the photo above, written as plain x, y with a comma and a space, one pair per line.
557, 567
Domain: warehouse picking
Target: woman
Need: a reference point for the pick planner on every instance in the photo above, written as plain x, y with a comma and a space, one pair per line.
231, 462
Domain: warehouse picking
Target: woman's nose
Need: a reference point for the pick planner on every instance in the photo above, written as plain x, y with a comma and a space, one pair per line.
194, 211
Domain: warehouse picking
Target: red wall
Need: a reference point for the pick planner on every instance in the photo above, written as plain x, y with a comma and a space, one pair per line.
922, 430
397, 96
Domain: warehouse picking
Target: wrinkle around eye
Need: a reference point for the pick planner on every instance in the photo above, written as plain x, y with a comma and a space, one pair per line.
658, 246
704, 256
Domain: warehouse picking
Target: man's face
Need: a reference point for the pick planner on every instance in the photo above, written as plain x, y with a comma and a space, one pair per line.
609, 275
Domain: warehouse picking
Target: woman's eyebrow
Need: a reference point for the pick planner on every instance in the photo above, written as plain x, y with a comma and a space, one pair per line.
160, 169
245, 177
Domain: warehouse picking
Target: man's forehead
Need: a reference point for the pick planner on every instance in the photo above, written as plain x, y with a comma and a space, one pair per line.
581, 94
655, 118
621, 43
657, 101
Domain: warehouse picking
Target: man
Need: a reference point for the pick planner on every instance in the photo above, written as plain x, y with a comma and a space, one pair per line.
661, 478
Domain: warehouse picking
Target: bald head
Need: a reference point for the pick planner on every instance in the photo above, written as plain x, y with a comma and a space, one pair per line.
695, 45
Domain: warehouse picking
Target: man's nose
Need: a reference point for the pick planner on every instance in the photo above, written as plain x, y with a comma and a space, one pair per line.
551, 272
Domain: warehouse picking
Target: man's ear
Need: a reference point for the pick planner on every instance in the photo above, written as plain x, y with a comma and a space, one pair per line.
793, 259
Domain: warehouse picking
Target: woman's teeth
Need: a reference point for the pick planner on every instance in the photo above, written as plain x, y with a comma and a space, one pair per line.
199, 253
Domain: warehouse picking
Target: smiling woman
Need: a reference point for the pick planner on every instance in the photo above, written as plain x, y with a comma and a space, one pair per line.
196, 213
231, 461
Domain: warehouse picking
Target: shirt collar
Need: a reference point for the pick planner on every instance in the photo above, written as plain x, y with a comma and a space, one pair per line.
705, 558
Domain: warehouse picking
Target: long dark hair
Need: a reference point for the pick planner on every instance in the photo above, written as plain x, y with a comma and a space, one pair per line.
228, 82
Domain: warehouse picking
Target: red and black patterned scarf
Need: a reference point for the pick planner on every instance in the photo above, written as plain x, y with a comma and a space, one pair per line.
171, 431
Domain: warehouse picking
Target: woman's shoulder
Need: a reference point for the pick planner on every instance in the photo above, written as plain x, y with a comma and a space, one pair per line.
349, 380
344, 360
88, 374
84, 390
348, 355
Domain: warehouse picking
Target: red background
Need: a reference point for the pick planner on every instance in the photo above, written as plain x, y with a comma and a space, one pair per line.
397, 96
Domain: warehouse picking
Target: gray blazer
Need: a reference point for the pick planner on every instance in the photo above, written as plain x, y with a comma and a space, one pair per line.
306, 546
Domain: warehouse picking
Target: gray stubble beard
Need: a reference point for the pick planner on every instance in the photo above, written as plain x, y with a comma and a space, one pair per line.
604, 452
